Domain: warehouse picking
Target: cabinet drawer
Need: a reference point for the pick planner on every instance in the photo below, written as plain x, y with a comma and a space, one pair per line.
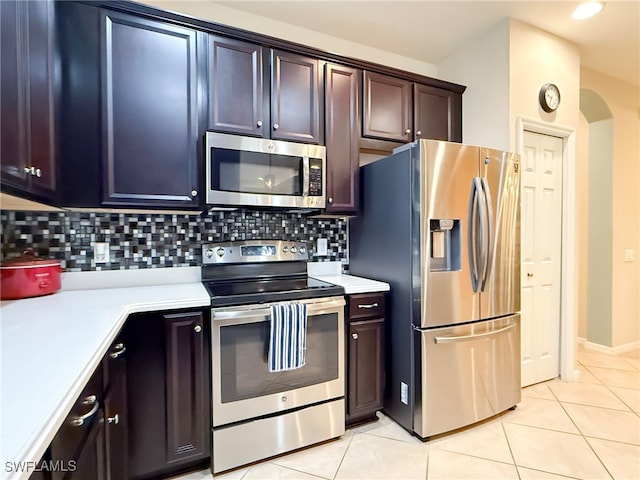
366, 305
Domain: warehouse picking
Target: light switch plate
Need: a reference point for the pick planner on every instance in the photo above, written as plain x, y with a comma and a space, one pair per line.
321, 247
629, 255
101, 252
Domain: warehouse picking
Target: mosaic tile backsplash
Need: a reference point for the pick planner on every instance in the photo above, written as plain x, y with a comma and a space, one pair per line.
158, 240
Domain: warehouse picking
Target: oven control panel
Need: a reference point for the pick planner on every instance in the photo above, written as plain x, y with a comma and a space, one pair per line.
252, 251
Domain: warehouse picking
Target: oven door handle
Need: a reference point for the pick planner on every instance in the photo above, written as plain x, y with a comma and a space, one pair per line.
255, 313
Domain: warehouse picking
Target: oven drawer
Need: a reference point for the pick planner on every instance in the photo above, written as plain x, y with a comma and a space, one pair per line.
366, 305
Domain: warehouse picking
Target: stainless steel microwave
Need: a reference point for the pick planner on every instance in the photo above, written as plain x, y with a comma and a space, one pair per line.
249, 171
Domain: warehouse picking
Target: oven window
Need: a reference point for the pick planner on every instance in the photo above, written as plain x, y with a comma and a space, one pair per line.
243, 359
253, 172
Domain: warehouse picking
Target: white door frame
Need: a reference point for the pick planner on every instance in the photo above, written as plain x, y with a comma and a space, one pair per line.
569, 264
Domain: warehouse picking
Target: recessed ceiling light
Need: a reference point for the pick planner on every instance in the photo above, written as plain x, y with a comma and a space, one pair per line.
586, 10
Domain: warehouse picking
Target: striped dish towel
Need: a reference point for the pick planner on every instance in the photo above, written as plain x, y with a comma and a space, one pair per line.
288, 337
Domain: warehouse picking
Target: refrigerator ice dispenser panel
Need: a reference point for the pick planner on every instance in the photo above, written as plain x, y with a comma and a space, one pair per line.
445, 245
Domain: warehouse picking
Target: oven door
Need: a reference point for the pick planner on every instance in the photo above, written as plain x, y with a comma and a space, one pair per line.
242, 386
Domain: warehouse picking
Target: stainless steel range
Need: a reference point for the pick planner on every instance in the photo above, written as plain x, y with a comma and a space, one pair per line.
257, 412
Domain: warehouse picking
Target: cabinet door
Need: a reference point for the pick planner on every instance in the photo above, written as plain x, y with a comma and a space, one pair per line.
80, 439
295, 97
27, 141
387, 107
149, 112
342, 134
237, 93
116, 431
437, 114
187, 429
365, 367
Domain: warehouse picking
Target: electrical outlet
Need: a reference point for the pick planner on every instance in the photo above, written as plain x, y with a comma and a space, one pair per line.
404, 393
101, 252
321, 247
629, 255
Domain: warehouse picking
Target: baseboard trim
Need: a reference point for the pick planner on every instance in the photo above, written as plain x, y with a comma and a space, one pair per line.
620, 349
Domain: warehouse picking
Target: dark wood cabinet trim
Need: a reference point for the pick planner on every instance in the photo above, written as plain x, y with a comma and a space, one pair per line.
266, 40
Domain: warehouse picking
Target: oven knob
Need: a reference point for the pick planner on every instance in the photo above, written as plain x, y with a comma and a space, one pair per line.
302, 250
293, 249
220, 251
285, 249
209, 253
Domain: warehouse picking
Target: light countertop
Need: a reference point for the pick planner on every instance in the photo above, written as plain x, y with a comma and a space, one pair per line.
51, 345
332, 272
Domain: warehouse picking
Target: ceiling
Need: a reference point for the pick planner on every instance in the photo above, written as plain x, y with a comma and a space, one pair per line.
429, 31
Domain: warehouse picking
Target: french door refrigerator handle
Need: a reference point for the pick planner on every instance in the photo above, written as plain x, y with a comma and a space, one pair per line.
482, 212
487, 241
470, 236
464, 338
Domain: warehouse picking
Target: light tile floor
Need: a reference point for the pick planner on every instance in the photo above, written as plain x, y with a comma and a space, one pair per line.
588, 429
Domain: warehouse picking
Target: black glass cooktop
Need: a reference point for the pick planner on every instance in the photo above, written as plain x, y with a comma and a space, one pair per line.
225, 293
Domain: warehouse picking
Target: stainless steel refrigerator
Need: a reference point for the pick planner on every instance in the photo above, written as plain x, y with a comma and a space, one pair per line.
440, 222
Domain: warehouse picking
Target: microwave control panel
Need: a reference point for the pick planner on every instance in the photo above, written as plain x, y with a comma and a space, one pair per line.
315, 177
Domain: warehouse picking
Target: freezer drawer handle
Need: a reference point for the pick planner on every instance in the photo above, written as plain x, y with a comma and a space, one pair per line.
463, 338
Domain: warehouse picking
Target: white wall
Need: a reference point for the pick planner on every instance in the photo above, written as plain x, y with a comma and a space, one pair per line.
224, 15
483, 66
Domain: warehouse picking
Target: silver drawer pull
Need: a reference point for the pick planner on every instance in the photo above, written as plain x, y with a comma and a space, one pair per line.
354, 336
197, 329
370, 305
463, 338
119, 349
90, 400
115, 419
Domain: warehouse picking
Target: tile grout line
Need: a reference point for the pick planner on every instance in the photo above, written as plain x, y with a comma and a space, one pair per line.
353, 435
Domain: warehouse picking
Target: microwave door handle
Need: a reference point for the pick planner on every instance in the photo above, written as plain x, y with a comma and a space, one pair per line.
305, 176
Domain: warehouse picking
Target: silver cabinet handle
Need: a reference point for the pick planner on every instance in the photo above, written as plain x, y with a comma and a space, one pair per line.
259, 123
354, 336
194, 193
115, 419
276, 126
90, 400
32, 171
197, 329
407, 131
119, 349
330, 200
529, 275
419, 133
370, 305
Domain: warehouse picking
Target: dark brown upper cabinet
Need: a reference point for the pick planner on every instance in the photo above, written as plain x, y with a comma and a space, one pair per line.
150, 132
237, 100
263, 92
402, 111
342, 120
437, 113
386, 107
27, 81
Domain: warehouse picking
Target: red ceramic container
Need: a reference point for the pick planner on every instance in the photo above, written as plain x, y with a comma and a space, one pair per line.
29, 276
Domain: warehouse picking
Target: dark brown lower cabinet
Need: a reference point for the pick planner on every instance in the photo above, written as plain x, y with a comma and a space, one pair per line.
167, 393
77, 451
365, 357
92, 441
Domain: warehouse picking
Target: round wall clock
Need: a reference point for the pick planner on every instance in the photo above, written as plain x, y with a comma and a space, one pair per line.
549, 97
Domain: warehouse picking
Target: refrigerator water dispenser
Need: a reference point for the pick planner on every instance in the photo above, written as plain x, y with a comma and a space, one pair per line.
445, 245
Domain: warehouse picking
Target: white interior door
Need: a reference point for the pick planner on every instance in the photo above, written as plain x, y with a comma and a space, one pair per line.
541, 247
